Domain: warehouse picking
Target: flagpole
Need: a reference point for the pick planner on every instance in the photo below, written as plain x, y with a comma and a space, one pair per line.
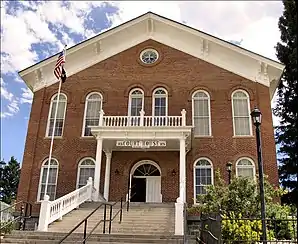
53, 133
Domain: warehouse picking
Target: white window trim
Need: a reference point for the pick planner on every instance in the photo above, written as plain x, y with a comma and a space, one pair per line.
194, 174
49, 115
147, 50
80, 166
159, 95
209, 111
85, 110
249, 111
250, 160
43, 166
131, 96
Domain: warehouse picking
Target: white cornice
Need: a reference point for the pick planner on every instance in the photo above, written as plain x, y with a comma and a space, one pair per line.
150, 26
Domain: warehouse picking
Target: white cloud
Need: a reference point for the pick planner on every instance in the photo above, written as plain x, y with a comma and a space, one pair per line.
27, 96
33, 27
2, 82
132, 9
4, 92
253, 22
13, 107
5, 114
17, 78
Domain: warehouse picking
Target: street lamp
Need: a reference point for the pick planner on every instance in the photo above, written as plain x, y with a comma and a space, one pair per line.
229, 169
257, 119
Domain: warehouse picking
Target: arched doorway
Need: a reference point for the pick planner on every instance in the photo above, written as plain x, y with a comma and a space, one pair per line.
145, 182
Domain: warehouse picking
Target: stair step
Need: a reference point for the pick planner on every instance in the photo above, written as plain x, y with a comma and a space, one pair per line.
49, 237
142, 224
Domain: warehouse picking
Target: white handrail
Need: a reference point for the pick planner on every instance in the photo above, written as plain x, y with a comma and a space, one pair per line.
147, 121
53, 210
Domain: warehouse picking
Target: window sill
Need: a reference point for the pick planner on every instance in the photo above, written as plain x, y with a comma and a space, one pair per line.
55, 137
87, 137
250, 136
203, 136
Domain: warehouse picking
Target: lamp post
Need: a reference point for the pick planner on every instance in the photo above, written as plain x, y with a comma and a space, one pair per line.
257, 119
229, 169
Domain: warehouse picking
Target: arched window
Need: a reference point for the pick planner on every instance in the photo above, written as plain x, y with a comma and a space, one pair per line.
136, 102
93, 106
160, 102
52, 179
241, 113
203, 175
86, 169
201, 113
60, 115
245, 167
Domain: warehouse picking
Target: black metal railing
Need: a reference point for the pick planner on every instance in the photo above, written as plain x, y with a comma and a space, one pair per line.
20, 220
104, 220
218, 229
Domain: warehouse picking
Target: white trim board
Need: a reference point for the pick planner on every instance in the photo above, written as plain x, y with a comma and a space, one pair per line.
151, 26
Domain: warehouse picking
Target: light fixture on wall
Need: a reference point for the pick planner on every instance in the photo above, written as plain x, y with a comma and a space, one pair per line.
173, 172
229, 170
117, 172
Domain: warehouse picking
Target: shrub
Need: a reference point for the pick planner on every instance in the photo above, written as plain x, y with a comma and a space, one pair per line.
7, 227
240, 200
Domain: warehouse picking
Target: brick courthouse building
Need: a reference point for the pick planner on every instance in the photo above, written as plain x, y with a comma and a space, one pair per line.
150, 103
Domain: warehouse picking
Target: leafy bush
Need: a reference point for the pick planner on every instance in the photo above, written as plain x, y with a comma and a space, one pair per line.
235, 227
241, 199
282, 222
7, 227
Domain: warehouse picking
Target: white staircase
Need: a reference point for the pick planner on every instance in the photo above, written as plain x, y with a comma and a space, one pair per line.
143, 223
141, 219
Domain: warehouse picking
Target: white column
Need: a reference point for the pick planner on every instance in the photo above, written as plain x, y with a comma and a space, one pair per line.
44, 214
183, 114
182, 163
179, 205
107, 175
97, 169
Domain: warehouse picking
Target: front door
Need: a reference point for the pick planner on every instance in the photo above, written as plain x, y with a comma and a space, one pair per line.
145, 182
138, 190
153, 184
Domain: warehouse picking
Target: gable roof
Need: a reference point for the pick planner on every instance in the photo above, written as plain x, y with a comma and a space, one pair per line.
199, 44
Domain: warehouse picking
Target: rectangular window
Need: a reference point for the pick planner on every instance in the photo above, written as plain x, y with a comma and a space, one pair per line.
85, 173
201, 117
51, 191
59, 119
136, 106
241, 114
92, 115
203, 178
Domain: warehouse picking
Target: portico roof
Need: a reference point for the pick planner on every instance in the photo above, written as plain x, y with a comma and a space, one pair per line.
206, 47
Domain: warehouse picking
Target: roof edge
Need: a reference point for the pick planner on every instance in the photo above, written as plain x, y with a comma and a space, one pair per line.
151, 14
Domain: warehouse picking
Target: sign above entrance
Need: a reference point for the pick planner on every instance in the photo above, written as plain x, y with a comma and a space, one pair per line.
141, 144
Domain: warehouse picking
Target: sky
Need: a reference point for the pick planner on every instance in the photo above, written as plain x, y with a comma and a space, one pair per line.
34, 30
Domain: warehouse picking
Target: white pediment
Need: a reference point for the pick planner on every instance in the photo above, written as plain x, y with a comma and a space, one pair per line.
223, 54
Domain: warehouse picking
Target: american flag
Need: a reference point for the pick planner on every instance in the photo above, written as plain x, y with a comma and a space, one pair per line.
59, 69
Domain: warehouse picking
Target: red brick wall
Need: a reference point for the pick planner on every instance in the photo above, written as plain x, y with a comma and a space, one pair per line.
180, 74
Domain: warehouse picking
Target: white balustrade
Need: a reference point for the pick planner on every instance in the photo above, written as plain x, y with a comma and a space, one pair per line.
53, 210
147, 121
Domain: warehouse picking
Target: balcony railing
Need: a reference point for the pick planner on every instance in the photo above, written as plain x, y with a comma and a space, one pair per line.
142, 120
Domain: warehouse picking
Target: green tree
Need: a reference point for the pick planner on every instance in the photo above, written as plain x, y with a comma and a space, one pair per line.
240, 197
239, 205
9, 181
287, 100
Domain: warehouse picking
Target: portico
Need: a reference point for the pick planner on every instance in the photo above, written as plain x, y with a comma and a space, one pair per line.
139, 133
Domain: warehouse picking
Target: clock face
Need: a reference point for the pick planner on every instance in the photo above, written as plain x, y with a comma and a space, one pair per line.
149, 56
